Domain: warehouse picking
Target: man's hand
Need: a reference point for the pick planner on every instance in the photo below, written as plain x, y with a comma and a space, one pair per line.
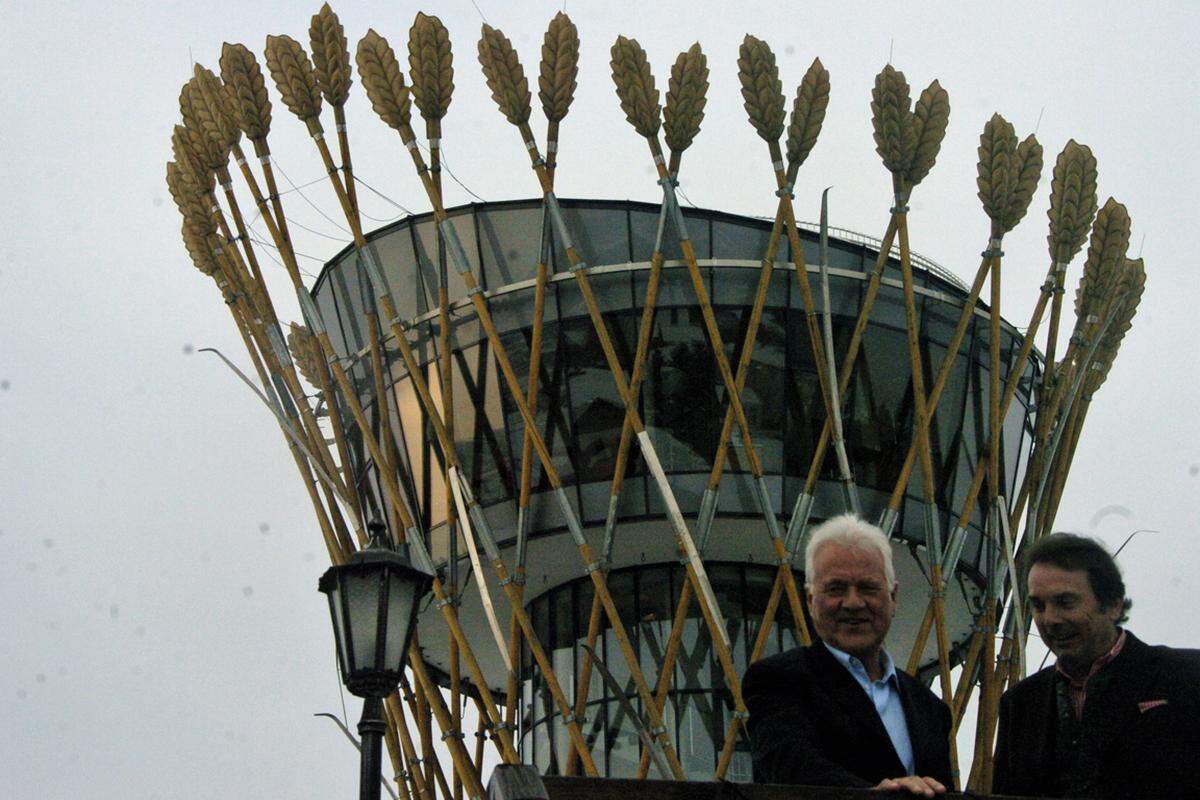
914, 784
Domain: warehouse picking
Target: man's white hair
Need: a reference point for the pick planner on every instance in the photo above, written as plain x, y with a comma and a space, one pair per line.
848, 530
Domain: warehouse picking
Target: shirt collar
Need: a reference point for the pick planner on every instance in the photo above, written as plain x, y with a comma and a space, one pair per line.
1098, 664
853, 664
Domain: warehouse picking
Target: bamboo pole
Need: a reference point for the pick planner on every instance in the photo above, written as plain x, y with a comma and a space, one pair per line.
377, 62
1008, 176
431, 67
462, 760
300, 87
286, 58
977, 477
210, 132
331, 60
411, 771
508, 84
191, 186
556, 83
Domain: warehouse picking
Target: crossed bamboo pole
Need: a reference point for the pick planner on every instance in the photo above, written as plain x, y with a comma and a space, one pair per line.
378, 65
397, 502
1072, 208
507, 81
558, 70
294, 79
995, 676
250, 323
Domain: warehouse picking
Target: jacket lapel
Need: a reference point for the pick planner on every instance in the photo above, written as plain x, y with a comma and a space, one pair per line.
1119, 684
859, 710
920, 728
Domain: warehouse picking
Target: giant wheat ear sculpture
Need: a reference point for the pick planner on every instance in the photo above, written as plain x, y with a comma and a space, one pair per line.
770, 377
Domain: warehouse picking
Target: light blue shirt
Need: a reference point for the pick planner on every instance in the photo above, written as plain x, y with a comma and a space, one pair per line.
885, 695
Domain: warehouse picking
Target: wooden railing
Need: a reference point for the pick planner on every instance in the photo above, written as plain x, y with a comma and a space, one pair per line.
520, 782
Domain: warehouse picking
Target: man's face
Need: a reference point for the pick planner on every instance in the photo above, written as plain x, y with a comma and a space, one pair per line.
849, 599
1069, 617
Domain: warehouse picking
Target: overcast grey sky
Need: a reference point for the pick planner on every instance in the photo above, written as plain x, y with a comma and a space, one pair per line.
160, 630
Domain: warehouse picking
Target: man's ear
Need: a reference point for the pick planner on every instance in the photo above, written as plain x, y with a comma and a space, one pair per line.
895, 590
1114, 610
808, 596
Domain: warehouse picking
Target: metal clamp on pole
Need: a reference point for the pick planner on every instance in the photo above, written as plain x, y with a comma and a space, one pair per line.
458, 255
369, 260
308, 310
560, 224
799, 522
670, 199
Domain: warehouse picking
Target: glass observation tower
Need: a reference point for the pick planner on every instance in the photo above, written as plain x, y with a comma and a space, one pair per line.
682, 403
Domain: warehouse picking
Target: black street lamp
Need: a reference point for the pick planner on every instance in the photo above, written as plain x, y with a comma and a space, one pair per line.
373, 600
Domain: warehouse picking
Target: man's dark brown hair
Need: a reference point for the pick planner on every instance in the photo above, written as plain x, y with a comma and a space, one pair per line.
1071, 552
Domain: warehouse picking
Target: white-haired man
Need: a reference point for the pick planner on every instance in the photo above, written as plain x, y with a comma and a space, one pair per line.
839, 713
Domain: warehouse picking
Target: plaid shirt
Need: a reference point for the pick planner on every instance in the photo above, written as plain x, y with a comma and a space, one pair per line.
1078, 688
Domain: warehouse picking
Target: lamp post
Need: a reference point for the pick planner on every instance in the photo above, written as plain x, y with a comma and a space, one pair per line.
373, 600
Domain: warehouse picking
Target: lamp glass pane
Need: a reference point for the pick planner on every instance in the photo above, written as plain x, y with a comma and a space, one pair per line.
362, 593
339, 631
400, 605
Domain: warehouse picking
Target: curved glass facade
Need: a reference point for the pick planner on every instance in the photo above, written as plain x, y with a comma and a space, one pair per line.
699, 706
682, 398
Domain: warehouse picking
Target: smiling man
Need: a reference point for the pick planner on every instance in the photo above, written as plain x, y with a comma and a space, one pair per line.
839, 713
1114, 717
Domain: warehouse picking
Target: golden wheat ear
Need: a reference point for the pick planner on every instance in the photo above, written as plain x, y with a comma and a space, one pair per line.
559, 67
1105, 257
330, 56
247, 91
930, 119
383, 80
762, 91
430, 66
686, 97
808, 115
1072, 201
892, 120
504, 75
294, 78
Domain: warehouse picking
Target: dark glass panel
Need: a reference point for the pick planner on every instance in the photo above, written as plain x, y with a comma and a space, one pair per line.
510, 242
432, 267
478, 432
878, 416
740, 241
683, 410
726, 580
843, 256
643, 228
399, 267
600, 236
592, 397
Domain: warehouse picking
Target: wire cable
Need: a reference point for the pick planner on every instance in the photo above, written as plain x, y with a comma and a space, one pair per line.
331, 220
450, 172
372, 189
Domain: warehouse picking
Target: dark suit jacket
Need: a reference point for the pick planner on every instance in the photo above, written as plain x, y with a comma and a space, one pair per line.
1138, 750
811, 723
